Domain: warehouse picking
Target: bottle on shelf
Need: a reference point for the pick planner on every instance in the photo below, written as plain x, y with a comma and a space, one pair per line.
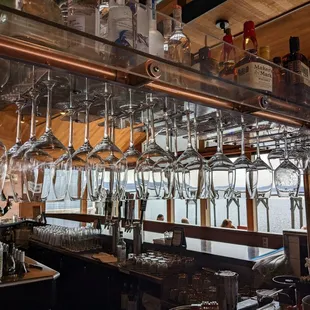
299, 83
121, 248
228, 57
103, 11
156, 40
279, 78
120, 26
167, 25
103, 15
82, 15
251, 71
141, 36
179, 45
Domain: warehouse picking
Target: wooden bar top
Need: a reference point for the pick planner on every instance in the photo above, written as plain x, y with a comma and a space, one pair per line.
33, 275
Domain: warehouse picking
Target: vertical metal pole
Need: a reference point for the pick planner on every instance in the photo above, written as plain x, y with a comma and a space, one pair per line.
307, 204
292, 213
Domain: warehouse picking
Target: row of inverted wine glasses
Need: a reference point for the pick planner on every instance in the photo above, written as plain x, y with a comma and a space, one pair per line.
158, 173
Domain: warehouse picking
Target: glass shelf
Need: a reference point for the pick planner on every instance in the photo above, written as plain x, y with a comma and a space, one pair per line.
23, 37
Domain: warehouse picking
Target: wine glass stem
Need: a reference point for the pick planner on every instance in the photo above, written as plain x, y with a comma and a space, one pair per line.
189, 132
33, 118
285, 146
219, 136
242, 135
175, 132
18, 125
131, 130
49, 108
257, 145
70, 143
106, 118
152, 139
86, 135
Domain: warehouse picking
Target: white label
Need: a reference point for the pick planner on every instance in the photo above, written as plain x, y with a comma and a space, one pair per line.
77, 22
302, 70
34, 188
120, 26
255, 75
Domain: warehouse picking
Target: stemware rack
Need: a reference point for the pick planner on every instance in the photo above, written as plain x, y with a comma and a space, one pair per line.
24, 39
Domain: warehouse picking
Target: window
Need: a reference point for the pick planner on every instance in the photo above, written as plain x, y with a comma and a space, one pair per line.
187, 209
155, 207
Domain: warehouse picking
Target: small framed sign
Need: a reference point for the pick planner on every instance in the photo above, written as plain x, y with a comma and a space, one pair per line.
178, 237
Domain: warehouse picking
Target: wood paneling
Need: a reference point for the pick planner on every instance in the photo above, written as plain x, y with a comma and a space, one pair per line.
275, 33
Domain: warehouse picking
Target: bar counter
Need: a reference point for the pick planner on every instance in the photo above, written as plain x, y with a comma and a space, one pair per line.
36, 290
241, 253
32, 276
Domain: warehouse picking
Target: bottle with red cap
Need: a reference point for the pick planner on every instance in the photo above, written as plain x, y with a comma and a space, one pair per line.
228, 57
252, 71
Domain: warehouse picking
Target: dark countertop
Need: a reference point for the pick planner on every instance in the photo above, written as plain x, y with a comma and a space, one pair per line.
34, 275
214, 248
10, 224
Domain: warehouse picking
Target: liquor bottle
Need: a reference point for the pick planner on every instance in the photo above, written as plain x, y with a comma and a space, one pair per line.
156, 40
121, 248
103, 11
83, 15
142, 28
251, 71
1, 260
279, 78
120, 26
228, 57
297, 62
167, 23
10, 262
179, 45
124, 297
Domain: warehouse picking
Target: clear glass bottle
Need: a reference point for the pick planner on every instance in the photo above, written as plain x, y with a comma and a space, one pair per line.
156, 40
120, 26
121, 248
228, 57
103, 11
298, 83
142, 27
179, 45
167, 23
251, 71
82, 15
